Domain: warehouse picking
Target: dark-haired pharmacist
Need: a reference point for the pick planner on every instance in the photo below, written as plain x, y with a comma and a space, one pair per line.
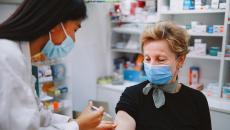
38, 26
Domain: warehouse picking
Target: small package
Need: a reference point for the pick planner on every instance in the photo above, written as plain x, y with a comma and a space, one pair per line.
200, 48
227, 50
198, 4
222, 4
176, 4
218, 28
213, 89
215, 4
213, 51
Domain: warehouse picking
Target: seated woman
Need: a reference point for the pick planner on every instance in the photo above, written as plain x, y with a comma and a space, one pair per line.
161, 103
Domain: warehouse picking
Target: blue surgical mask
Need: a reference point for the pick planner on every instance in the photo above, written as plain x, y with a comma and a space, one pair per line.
52, 51
158, 74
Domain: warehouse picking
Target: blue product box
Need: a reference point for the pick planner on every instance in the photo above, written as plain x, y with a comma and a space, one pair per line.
59, 72
133, 75
210, 29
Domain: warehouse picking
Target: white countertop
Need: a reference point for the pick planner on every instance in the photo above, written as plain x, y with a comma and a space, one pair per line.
215, 104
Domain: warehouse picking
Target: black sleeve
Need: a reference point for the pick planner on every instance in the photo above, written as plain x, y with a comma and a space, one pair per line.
129, 101
205, 120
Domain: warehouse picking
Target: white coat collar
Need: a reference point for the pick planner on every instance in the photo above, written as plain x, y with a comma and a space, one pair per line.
25, 49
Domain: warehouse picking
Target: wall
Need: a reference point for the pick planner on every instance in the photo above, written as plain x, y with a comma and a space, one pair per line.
6, 10
88, 60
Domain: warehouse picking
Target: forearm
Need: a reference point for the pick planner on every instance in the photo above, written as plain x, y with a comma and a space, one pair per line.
124, 121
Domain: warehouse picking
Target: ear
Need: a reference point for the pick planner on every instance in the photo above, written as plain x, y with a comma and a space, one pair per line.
57, 28
181, 60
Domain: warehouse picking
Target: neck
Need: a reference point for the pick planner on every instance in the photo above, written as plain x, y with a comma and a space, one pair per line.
37, 44
178, 87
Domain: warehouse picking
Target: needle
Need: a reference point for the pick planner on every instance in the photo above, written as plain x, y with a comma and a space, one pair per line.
105, 113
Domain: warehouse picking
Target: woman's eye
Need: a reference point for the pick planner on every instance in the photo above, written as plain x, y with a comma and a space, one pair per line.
161, 60
147, 59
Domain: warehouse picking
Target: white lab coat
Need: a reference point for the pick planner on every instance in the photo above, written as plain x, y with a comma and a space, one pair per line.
20, 109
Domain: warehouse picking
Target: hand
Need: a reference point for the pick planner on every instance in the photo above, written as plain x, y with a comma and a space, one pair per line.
89, 119
105, 125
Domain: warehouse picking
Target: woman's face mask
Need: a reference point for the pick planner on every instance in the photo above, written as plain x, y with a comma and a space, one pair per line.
54, 51
160, 64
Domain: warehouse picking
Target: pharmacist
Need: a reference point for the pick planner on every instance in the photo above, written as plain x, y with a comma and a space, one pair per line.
38, 27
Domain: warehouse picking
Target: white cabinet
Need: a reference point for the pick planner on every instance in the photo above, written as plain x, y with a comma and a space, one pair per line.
220, 115
220, 121
110, 96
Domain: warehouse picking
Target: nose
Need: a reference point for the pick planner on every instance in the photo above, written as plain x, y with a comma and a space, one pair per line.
153, 62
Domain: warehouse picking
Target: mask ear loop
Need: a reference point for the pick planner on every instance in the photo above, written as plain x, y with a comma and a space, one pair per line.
63, 28
50, 36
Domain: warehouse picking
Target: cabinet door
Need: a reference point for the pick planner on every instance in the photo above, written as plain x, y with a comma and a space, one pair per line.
11, 1
220, 121
110, 96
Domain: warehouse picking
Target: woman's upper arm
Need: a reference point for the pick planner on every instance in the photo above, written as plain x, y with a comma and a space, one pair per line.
124, 121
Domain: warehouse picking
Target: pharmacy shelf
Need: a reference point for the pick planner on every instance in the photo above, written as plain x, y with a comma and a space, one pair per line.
207, 57
193, 11
127, 30
219, 104
227, 58
125, 50
206, 34
128, 21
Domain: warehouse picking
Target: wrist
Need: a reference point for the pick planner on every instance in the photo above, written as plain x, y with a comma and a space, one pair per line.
78, 121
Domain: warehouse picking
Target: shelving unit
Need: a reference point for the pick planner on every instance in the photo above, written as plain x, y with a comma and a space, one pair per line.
126, 51
52, 86
227, 58
206, 57
213, 68
127, 30
183, 17
193, 11
206, 34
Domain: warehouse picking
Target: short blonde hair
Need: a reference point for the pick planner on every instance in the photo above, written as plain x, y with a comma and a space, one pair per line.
176, 37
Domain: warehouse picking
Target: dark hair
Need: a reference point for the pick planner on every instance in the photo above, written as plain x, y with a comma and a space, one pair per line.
34, 18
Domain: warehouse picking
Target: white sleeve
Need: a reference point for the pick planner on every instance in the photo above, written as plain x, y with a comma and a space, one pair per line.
49, 119
18, 107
